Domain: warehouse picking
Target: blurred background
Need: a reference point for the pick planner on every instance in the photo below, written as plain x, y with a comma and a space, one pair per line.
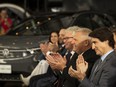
63, 12
34, 20
34, 6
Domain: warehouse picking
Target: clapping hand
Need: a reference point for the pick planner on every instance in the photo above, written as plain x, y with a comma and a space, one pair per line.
44, 47
81, 64
56, 61
81, 68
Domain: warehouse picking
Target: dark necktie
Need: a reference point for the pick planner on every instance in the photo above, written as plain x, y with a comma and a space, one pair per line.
93, 73
60, 79
68, 57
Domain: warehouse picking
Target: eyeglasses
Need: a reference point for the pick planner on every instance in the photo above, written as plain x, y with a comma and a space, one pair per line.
66, 38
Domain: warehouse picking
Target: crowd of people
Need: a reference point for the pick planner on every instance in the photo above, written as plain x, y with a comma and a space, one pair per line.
76, 57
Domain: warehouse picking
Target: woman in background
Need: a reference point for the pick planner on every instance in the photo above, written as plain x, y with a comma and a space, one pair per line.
54, 42
5, 21
43, 66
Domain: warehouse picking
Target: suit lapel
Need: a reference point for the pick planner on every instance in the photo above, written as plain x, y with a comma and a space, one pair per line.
94, 66
94, 72
93, 69
103, 63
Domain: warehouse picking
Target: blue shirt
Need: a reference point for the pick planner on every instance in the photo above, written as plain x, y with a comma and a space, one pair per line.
104, 56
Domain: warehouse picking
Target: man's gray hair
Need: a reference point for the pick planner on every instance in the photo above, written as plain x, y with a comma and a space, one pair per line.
85, 32
72, 29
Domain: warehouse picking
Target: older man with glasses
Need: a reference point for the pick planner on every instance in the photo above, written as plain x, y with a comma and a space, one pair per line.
62, 64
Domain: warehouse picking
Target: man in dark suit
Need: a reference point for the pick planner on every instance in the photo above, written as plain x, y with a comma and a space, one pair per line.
103, 73
84, 46
63, 64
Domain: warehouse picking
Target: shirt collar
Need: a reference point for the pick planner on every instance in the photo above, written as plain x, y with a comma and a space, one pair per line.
72, 52
104, 56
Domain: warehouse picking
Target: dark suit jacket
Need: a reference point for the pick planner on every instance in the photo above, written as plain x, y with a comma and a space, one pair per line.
62, 51
105, 75
90, 56
67, 80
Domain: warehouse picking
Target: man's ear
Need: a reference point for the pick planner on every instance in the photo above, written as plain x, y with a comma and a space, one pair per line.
86, 42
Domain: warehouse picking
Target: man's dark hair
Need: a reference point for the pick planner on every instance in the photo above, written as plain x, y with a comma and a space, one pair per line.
103, 34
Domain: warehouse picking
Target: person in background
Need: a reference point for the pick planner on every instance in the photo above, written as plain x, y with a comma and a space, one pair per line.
61, 36
42, 66
5, 21
62, 49
104, 69
54, 42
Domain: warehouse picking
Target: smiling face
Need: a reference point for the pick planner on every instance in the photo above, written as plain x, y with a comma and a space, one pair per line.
61, 35
68, 40
54, 38
79, 43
